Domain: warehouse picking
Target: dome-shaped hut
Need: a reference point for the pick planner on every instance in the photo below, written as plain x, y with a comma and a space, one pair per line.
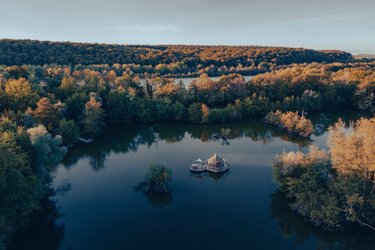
216, 164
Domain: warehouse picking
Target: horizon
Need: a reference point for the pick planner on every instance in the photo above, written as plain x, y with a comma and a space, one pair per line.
180, 44
320, 25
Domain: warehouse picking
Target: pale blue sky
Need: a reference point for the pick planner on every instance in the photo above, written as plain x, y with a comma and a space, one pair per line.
318, 24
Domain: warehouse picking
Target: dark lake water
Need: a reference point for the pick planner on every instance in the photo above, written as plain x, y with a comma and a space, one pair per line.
241, 209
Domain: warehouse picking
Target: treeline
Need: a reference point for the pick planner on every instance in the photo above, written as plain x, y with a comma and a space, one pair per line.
165, 60
77, 103
82, 100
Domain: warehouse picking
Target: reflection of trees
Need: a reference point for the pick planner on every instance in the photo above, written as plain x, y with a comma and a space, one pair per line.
266, 133
259, 134
323, 120
198, 175
293, 225
297, 140
97, 162
254, 129
159, 200
116, 139
214, 176
42, 232
126, 138
171, 135
205, 132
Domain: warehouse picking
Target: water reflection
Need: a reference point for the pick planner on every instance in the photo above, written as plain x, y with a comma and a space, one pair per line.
293, 226
123, 139
159, 200
322, 121
214, 176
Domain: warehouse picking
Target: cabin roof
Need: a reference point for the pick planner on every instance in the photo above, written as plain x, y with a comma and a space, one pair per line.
215, 160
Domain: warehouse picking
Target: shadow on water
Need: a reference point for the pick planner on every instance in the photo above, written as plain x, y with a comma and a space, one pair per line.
42, 232
293, 226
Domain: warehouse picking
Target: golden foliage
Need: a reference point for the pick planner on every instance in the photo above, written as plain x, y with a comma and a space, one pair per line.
353, 149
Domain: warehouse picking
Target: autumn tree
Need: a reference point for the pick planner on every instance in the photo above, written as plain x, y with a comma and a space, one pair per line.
291, 122
336, 187
354, 151
68, 86
20, 93
47, 113
171, 90
150, 85
93, 117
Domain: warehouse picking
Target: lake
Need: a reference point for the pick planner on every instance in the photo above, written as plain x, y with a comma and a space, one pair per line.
188, 80
98, 208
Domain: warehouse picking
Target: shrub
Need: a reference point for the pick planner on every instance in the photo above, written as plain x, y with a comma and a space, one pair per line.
156, 181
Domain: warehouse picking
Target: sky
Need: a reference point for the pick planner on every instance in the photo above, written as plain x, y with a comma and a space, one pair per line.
318, 24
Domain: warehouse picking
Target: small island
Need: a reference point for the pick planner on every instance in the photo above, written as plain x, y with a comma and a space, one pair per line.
214, 164
291, 122
156, 181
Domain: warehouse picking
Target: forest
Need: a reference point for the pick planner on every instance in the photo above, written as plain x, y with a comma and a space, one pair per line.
54, 95
164, 60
